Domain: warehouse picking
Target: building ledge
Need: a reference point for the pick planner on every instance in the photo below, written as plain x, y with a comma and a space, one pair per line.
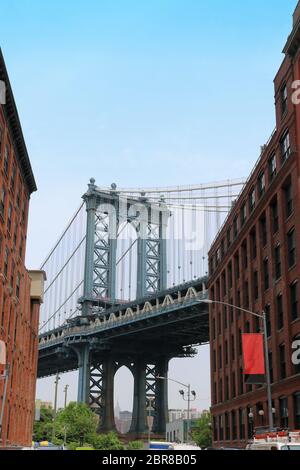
38, 279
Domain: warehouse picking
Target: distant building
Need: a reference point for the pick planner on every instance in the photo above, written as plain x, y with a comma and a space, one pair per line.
254, 263
177, 431
177, 414
47, 404
21, 291
123, 421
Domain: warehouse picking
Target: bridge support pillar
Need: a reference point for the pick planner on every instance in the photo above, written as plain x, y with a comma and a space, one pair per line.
138, 423
83, 354
162, 397
107, 423
148, 387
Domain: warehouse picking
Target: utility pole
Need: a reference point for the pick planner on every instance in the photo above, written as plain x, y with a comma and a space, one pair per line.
55, 405
66, 394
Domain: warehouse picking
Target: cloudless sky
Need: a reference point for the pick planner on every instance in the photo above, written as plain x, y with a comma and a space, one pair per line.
141, 93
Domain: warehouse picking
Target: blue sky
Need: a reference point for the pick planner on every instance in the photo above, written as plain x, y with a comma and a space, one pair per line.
143, 93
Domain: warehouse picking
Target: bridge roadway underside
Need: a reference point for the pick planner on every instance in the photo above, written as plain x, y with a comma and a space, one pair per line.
145, 346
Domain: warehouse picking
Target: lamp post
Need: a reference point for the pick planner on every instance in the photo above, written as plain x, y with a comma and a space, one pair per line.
57, 378
66, 394
251, 416
263, 317
188, 399
150, 418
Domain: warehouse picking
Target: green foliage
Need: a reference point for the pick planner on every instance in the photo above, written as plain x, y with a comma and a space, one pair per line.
202, 433
108, 441
42, 430
76, 422
135, 445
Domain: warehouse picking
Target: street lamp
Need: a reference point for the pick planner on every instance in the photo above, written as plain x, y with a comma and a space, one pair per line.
188, 399
57, 379
150, 418
263, 317
66, 394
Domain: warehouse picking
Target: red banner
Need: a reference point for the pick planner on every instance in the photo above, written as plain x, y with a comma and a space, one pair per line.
254, 360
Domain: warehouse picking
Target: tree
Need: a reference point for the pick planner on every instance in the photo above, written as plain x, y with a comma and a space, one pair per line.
76, 422
135, 445
42, 429
108, 441
202, 433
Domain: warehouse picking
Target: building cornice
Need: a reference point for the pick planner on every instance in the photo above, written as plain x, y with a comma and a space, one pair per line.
13, 121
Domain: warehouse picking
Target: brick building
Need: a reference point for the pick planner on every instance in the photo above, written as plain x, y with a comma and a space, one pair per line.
20, 290
254, 263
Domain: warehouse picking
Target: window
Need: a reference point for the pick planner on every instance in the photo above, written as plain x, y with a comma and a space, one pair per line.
261, 184
297, 410
263, 230
270, 355
237, 266
227, 427
282, 361
242, 424
231, 311
245, 254
246, 294
253, 243
235, 227
18, 286
230, 275
223, 278
12, 274
221, 433
277, 261
233, 385
241, 382
284, 99
6, 160
294, 300
255, 285
268, 320
240, 343
272, 167
6, 255
9, 214
233, 425
226, 352
243, 214
275, 216
214, 361
232, 348
220, 357
288, 196
2, 202
285, 147
283, 410
13, 178
252, 200
228, 238
266, 273
291, 242
279, 307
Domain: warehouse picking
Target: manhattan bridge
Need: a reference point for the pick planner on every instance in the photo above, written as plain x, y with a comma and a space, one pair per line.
123, 287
